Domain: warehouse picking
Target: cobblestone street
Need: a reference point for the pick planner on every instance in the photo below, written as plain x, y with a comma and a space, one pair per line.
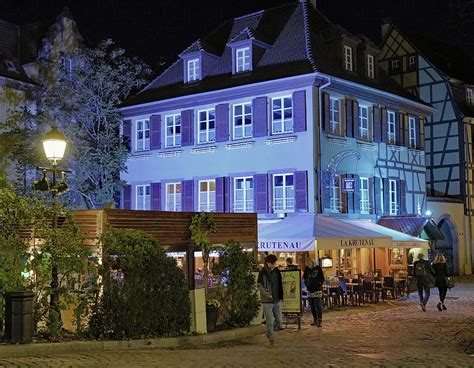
388, 334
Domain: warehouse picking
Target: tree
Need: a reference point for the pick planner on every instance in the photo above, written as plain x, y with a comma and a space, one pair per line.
83, 102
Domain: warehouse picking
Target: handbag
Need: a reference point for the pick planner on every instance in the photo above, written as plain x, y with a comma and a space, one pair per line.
449, 282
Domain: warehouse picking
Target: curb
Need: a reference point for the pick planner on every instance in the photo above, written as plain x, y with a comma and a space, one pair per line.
77, 347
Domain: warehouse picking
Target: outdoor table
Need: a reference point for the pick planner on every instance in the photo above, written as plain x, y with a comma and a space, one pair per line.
351, 285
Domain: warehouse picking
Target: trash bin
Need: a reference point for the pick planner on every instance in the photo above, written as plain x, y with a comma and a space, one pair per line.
18, 317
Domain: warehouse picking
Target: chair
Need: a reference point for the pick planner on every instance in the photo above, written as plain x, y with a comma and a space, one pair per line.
343, 290
369, 291
389, 287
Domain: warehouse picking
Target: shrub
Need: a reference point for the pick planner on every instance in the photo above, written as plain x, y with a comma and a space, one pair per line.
240, 299
144, 293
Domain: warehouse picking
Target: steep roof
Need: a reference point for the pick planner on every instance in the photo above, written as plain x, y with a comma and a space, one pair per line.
300, 42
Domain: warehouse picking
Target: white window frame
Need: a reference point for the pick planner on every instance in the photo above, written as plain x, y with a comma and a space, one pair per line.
173, 122
392, 197
364, 129
348, 58
370, 66
142, 126
192, 69
143, 200
207, 199
284, 199
246, 204
173, 199
335, 195
412, 131
209, 133
395, 63
335, 115
285, 125
246, 129
411, 61
391, 128
242, 59
364, 196
470, 96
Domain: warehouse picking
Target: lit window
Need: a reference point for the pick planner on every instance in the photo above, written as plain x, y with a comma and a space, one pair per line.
142, 197
207, 195
364, 122
334, 116
392, 197
142, 135
412, 131
242, 59
243, 194
206, 126
348, 58
193, 70
173, 130
173, 197
283, 193
469, 96
370, 66
391, 127
334, 195
364, 196
282, 115
242, 117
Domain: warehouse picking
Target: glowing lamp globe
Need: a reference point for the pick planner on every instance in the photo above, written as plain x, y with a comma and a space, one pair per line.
54, 144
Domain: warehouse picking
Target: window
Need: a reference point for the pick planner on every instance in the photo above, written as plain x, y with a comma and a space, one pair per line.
242, 120
142, 135
283, 193
391, 127
207, 126
334, 195
412, 62
412, 131
173, 130
392, 197
142, 197
370, 66
11, 66
364, 122
334, 116
364, 196
207, 195
282, 115
395, 65
243, 194
469, 96
348, 58
242, 59
193, 70
173, 197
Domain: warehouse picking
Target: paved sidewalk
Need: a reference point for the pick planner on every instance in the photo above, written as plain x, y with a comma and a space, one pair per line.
391, 334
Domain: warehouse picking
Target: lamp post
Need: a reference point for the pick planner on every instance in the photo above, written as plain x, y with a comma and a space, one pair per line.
54, 145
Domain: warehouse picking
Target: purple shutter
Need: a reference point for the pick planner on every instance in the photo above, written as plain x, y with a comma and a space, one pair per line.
420, 133
403, 197
301, 191
355, 109
384, 126
349, 118
398, 130
156, 196
155, 132
372, 200
377, 124
187, 131
187, 196
127, 134
299, 111
220, 188
326, 113
261, 197
227, 189
259, 114
127, 197
222, 122
405, 127
386, 196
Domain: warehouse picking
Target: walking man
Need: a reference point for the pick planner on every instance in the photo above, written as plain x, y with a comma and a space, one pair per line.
270, 285
314, 278
423, 273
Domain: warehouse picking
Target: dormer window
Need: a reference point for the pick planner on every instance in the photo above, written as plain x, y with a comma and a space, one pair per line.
348, 65
411, 61
242, 59
193, 70
470, 96
370, 66
395, 66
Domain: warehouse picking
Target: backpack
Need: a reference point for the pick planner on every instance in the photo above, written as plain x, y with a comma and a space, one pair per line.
420, 269
313, 283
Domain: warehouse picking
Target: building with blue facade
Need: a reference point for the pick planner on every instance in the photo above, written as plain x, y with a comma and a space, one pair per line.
284, 114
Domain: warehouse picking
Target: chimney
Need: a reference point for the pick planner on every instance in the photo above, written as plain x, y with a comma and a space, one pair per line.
386, 24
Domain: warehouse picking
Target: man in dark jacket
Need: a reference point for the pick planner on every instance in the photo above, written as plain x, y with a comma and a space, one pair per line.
270, 285
314, 278
423, 273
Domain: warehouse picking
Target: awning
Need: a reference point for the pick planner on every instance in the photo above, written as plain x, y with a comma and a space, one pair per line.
420, 226
298, 234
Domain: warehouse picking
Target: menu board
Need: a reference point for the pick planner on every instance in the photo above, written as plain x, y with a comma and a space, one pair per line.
291, 292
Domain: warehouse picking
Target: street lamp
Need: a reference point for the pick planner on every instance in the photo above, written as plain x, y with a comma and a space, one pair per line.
54, 145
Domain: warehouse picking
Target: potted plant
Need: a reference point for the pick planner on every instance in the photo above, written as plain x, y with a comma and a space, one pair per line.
212, 313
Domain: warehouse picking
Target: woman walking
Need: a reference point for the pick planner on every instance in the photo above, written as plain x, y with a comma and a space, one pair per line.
441, 274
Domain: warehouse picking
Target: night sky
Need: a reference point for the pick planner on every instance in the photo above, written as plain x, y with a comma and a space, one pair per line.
163, 28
